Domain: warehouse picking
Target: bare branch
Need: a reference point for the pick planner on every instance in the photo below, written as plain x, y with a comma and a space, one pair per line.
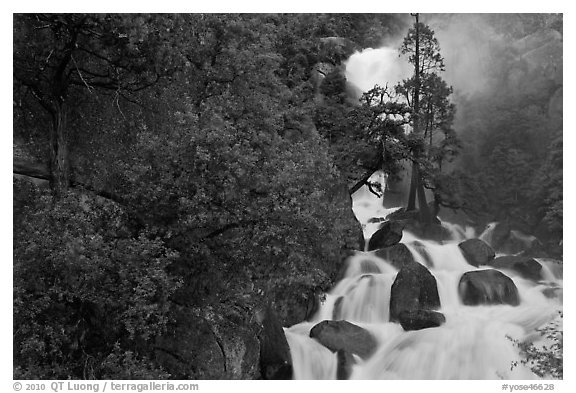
80, 75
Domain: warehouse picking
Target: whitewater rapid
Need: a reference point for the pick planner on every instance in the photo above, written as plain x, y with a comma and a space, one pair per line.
475, 342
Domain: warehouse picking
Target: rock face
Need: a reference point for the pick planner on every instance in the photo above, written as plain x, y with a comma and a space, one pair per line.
207, 346
390, 233
477, 252
421, 319
294, 304
413, 289
343, 335
526, 267
397, 255
487, 287
275, 359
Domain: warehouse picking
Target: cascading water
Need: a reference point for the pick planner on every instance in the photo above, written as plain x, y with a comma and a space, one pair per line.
475, 342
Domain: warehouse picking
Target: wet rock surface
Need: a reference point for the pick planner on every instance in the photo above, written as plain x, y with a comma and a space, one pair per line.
487, 287
343, 335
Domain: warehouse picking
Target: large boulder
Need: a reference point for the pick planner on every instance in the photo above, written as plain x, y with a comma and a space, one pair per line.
413, 289
208, 344
390, 233
487, 287
420, 319
275, 359
343, 335
525, 266
477, 252
397, 255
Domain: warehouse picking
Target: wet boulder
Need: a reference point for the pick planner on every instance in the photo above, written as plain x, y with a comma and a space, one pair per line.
413, 289
477, 252
397, 255
390, 233
343, 335
420, 319
487, 287
527, 267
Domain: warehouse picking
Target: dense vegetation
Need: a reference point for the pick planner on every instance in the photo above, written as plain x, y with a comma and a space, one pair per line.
199, 167
185, 170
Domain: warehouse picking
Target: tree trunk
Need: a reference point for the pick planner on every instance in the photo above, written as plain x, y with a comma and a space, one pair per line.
415, 180
425, 215
413, 185
59, 161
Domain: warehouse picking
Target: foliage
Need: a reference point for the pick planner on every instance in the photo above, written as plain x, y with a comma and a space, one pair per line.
225, 193
548, 186
228, 143
545, 360
85, 290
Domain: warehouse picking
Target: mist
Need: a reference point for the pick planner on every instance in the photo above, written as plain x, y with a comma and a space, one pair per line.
469, 43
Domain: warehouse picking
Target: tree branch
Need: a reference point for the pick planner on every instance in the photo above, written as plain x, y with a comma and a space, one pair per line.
21, 166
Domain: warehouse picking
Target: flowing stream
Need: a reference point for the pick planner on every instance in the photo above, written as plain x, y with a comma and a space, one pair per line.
475, 342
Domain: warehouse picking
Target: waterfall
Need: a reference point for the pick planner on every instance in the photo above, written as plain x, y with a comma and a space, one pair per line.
475, 342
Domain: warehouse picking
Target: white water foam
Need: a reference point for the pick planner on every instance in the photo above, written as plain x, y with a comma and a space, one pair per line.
474, 343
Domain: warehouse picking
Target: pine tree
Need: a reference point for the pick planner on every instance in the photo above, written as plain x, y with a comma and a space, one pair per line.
428, 96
